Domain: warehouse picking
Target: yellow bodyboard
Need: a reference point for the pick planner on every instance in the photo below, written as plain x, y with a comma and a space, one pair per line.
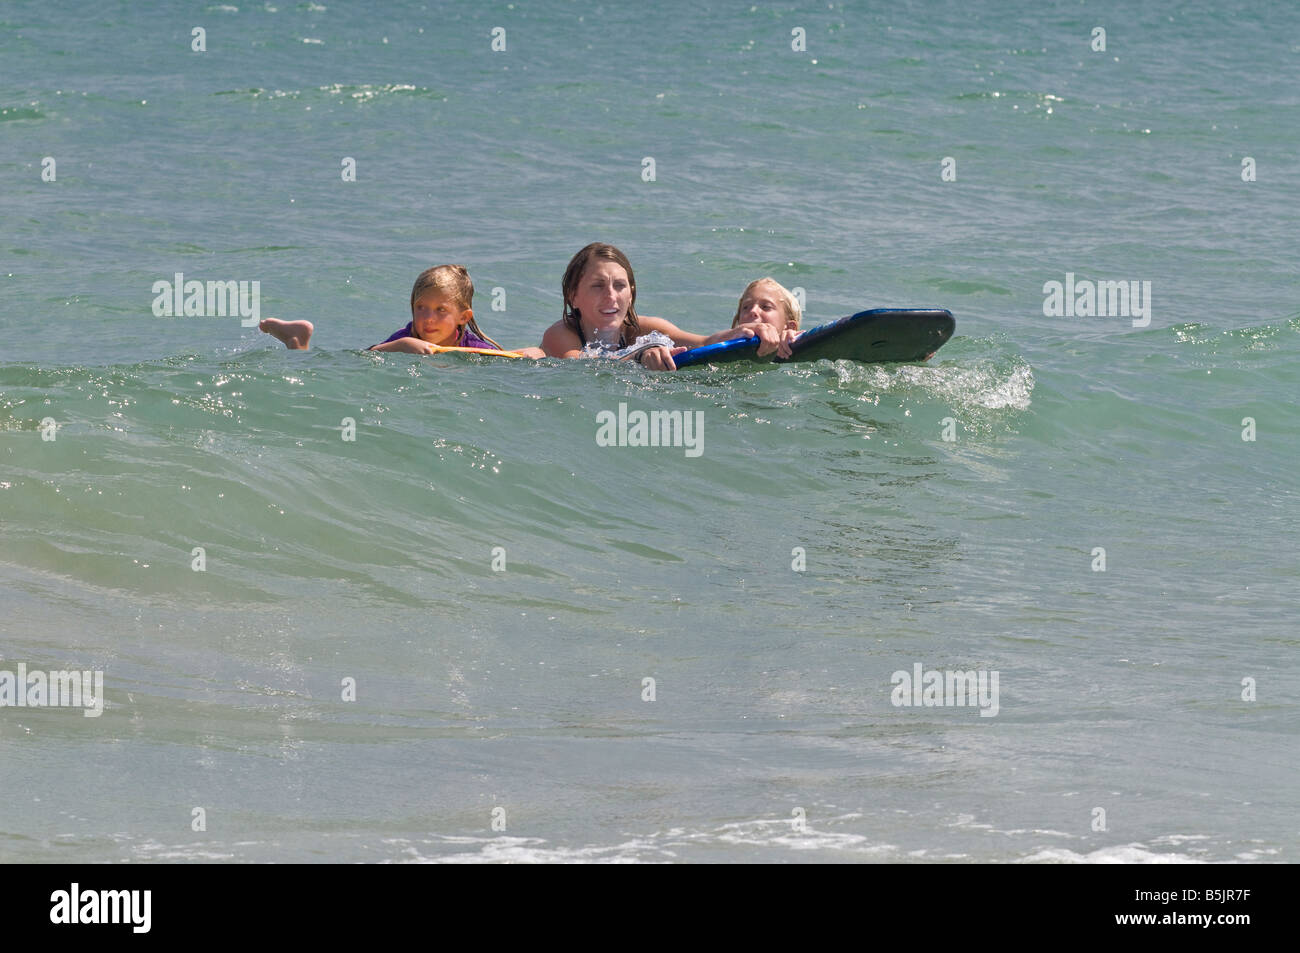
440, 349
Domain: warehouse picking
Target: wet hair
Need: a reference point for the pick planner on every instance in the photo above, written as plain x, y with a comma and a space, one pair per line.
452, 281
789, 303
599, 251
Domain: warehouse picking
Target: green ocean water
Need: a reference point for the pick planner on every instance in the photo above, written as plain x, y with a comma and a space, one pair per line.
497, 587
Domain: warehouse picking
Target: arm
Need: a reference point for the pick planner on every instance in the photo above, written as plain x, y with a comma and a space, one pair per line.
406, 345
684, 338
769, 337
661, 358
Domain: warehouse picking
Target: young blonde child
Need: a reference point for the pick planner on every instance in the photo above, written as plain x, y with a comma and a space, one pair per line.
441, 316
766, 301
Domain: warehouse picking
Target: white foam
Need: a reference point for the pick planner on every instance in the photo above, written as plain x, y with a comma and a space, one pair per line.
1121, 854
606, 348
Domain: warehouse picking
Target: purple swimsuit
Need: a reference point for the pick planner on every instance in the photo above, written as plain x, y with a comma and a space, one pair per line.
467, 339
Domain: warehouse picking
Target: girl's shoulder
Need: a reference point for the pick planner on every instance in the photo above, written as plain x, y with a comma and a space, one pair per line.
470, 339
560, 340
397, 335
561, 333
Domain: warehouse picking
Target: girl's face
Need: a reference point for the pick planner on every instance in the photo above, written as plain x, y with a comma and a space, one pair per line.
603, 295
763, 303
436, 318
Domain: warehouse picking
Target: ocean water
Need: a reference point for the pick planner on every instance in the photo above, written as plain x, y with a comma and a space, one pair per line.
432, 642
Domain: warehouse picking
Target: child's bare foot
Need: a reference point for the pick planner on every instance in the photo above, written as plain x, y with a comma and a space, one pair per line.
296, 335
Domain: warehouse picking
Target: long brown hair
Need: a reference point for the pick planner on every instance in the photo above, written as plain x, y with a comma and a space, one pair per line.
631, 327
